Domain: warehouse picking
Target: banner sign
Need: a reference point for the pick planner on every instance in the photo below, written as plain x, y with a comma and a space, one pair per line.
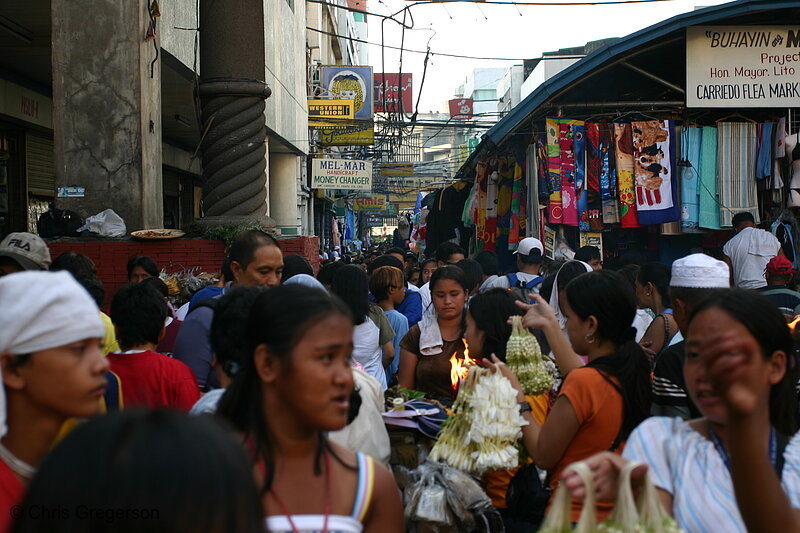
592, 239
743, 66
341, 174
335, 110
375, 203
391, 90
350, 83
461, 108
397, 169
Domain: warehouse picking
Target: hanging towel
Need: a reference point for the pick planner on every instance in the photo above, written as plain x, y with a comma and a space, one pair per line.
691, 139
780, 139
517, 208
581, 190
654, 162
765, 145
594, 169
608, 174
736, 159
554, 211
623, 142
566, 139
430, 338
707, 180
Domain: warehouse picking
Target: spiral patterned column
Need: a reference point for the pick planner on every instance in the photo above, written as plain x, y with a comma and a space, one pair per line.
234, 147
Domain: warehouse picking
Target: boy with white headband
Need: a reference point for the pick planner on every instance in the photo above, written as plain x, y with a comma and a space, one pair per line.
52, 370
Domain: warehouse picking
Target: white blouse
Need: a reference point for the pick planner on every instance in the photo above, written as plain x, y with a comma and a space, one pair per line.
685, 464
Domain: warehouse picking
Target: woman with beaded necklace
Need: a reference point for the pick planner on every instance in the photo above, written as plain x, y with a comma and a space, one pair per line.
53, 370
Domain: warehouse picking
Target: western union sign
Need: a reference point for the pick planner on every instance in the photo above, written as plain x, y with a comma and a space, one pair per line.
335, 111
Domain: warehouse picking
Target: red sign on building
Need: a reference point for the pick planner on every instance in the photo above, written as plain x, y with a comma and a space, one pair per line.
388, 88
461, 108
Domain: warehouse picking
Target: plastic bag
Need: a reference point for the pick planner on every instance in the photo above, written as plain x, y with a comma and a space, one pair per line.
105, 223
559, 519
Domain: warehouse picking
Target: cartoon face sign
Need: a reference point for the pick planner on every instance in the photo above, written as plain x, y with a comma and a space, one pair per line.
349, 86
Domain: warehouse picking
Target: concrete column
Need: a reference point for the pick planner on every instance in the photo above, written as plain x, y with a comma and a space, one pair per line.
107, 110
283, 172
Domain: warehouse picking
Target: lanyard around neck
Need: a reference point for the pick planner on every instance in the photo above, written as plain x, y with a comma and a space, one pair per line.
726, 458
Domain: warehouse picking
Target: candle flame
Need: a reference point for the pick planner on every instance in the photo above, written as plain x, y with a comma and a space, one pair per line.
459, 368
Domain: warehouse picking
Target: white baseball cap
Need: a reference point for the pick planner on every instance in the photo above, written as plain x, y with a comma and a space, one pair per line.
27, 249
700, 271
529, 243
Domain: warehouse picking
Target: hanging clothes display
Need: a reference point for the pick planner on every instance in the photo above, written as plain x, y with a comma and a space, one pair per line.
608, 174
623, 144
691, 139
505, 184
709, 207
581, 198
532, 169
554, 211
765, 146
594, 169
517, 218
566, 141
654, 162
736, 159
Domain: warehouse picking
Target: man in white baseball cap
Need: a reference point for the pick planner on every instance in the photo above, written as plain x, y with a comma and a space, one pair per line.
23, 251
693, 278
530, 254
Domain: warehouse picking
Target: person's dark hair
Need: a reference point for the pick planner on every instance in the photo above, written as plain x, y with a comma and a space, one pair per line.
148, 461
385, 260
568, 272
426, 262
396, 250
147, 264
546, 288
411, 272
533, 258
228, 333
84, 271
631, 258
384, 279
768, 326
690, 296
225, 269
246, 243
449, 272
138, 313
659, 275
490, 310
588, 253
741, 218
488, 261
608, 297
446, 250
350, 284
294, 264
326, 273
158, 284
630, 273
472, 272
278, 319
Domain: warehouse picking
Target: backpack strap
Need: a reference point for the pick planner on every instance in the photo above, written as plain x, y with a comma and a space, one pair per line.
534, 282
208, 302
513, 280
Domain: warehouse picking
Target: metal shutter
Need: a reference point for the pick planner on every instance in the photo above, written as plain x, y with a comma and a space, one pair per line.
39, 165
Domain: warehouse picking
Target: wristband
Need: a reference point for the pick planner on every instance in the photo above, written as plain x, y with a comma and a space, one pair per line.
524, 407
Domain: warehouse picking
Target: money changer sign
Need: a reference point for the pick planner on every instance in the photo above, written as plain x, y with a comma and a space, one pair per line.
341, 174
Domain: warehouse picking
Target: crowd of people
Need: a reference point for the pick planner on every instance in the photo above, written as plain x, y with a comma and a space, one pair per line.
257, 405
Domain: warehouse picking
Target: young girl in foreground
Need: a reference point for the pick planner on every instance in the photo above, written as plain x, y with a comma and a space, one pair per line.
740, 371
292, 390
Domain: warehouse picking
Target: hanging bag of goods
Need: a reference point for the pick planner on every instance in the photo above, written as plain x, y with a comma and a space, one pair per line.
481, 435
524, 357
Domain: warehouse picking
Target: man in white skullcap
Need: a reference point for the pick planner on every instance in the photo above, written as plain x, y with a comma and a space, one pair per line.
693, 278
52, 370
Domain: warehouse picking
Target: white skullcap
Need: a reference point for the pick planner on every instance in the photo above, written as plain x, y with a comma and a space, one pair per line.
42, 310
700, 271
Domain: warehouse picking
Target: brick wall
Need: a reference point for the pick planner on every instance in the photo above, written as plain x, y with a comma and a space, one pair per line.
111, 257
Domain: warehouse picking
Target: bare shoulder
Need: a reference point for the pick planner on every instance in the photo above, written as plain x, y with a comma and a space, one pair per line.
386, 511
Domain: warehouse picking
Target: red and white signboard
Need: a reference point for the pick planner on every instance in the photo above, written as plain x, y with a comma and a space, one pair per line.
388, 91
461, 108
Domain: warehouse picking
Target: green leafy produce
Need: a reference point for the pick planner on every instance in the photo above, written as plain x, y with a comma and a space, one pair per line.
524, 357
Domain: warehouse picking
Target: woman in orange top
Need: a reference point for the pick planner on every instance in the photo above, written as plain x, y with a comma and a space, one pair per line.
600, 403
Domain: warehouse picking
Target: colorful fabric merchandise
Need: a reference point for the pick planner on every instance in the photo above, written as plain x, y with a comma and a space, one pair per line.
623, 144
709, 208
608, 174
736, 161
654, 161
505, 183
566, 141
764, 150
554, 212
581, 192
691, 139
594, 169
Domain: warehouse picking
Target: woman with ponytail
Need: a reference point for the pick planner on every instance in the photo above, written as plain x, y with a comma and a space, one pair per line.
601, 402
293, 389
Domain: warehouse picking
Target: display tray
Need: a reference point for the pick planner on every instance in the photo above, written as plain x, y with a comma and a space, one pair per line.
157, 234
